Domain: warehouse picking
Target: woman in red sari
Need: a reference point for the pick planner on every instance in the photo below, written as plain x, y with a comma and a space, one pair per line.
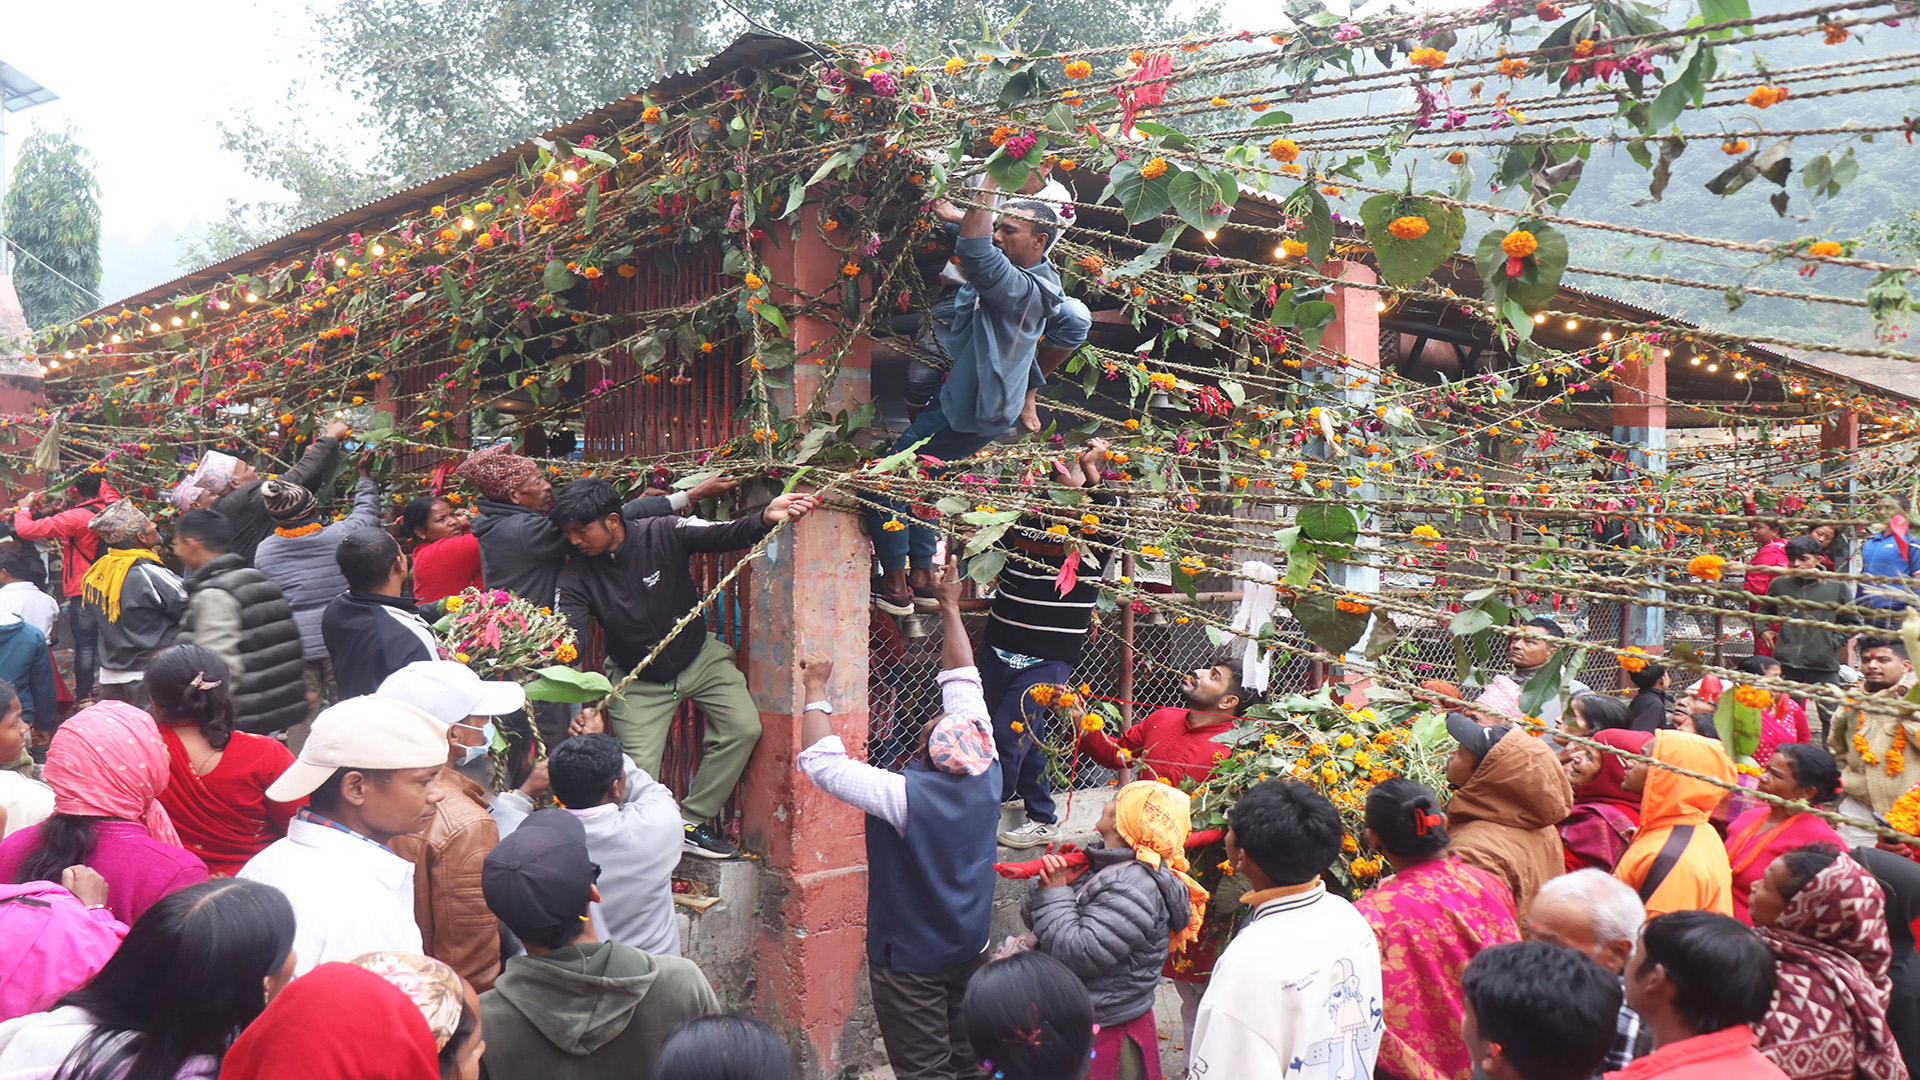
1799, 772
1431, 918
1605, 814
447, 557
217, 794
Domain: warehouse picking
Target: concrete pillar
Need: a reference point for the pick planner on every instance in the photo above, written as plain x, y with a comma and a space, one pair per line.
1640, 424
809, 593
22, 394
1354, 336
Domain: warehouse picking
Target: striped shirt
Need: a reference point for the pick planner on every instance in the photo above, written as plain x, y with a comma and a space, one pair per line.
1030, 617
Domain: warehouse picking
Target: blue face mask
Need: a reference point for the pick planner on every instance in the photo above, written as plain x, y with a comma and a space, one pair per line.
471, 754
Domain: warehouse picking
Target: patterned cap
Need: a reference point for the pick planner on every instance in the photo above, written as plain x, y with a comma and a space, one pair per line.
497, 472
961, 745
433, 987
287, 503
120, 524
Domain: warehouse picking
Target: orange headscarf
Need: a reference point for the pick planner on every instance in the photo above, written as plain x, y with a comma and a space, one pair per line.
1154, 819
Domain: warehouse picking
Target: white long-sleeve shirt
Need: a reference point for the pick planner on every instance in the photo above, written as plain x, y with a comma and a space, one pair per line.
877, 791
637, 844
1299, 987
350, 895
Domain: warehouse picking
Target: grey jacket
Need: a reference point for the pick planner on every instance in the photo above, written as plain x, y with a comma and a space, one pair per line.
152, 603
305, 570
522, 552
1111, 929
248, 510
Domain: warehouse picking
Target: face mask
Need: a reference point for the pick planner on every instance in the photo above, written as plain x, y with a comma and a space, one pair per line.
471, 754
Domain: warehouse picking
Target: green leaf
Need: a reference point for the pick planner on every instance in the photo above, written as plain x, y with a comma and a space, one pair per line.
1151, 258
1335, 631
1381, 637
1143, 200
556, 278
1311, 319
1301, 566
1719, 11
591, 212
1680, 89
1546, 683
834, 161
450, 285
1020, 85
1307, 204
1195, 198
1405, 263
1273, 118
985, 566
1328, 523
772, 314
566, 684
1469, 621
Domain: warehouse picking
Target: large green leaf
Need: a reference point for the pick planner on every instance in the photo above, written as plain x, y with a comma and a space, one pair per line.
1381, 637
1540, 276
1151, 258
1330, 523
1311, 319
1196, 198
1307, 204
566, 684
556, 278
1335, 631
1405, 263
1142, 199
1546, 684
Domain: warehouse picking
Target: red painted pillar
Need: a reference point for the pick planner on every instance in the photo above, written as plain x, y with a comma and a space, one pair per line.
1839, 438
1354, 337
812, 588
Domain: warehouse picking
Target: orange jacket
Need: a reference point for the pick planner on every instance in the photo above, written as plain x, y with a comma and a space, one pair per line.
1701, 880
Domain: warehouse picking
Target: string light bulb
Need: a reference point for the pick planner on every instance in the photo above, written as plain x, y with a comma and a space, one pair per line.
1538, 319
1606, 335
1713, 367
115, 339
155, 327
222, 305
253, 298
1695, 361
1573, 324
177, 321
569, 176
467, 223
339, 260
1210, 234
1379, 305
378, 250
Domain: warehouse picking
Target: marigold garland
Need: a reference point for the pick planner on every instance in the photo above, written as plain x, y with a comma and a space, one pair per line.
1867, 757
299, 531
1904, 814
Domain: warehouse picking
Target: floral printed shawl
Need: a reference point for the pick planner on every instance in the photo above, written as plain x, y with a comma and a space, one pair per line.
1431, 919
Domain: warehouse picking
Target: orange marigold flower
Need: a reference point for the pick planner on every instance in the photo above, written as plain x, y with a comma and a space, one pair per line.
1092, 264
590, 273
1458, 157
627, 270
1068, 164
1428, 58
1409, 228
565, 652
650, 114
483, 241
1829, 248
1293, 249
1154, 167
1512, 67
1299, 470
1837, 35
1706, 567
851, 270
955, 65
1583, 47
1331, 191
1283, 150
1519, 244
1291, 169
752, 280
1733, 147
1766, 96
1078, 69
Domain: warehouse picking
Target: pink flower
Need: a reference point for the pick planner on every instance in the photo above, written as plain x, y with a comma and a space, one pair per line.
883, 84
1347, 32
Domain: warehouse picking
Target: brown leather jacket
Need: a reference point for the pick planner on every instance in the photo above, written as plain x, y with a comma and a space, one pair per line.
455, 922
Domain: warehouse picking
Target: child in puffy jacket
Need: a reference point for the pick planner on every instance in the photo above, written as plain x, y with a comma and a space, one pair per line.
1113, 921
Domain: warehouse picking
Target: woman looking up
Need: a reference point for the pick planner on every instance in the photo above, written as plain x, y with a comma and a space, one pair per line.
1431, 918
1799, 773
218, 777
446, 558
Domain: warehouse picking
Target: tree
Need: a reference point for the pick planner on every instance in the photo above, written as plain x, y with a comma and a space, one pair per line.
52, 222
444, 83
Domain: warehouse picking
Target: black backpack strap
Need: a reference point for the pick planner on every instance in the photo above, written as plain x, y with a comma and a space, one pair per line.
1677, 841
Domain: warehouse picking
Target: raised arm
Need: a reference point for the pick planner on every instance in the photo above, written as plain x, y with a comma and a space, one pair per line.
956, 649
313, 464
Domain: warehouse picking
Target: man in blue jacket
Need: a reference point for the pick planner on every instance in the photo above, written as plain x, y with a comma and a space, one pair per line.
1000, 353
1890, 553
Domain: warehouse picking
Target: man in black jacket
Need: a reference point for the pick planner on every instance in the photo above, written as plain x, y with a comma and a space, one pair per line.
521, 551
375, 629
631, 574
248, 512
239, 614
133, 598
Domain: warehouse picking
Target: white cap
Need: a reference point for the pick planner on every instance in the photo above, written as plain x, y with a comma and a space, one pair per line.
450, 691
363, 733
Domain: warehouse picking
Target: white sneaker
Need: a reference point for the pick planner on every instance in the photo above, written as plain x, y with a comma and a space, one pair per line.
1031, 834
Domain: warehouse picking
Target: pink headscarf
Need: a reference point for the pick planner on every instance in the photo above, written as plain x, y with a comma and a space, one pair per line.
109, 761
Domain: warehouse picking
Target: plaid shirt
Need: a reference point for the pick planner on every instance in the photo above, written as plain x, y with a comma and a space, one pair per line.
1631, 1039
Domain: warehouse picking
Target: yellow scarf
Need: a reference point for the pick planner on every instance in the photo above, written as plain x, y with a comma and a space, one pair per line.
1154, 819
108, 574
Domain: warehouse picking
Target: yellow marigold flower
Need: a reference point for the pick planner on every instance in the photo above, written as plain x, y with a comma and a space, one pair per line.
1154, 167
1218, 102
1519, 244
1292, 248
1153, 551
1292, 170
1634, 660
1299, 470
955, 65
1283, 150
438, 211
1078, 69
1829, 248
462, 657
1752, 697
1425, 534
1409, 227
1130, 424
894, 525
1428, 58
1583, 47
1057, 530
753, 280
1041, 693
1091, 722
1706, 567
455, 603
1354, 481
566, 653
1323, 484
1089, 520
1348, 844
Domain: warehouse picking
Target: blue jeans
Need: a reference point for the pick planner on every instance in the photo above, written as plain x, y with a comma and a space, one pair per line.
1023, 765
917, 539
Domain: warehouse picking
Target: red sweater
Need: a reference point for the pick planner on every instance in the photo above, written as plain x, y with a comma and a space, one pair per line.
1165, 743
1727, 1054
445, 567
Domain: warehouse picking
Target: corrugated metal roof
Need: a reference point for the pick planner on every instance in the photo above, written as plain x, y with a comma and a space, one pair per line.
747, 50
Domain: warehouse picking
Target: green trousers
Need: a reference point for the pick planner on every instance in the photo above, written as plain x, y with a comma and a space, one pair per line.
641, 714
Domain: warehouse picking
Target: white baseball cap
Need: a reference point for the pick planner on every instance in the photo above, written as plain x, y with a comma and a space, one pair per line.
363, 733
450, 691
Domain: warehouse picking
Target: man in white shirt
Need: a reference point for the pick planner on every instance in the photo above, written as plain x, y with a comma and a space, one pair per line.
930, 849
369, 768
1299, 987
633, 830
20, 595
